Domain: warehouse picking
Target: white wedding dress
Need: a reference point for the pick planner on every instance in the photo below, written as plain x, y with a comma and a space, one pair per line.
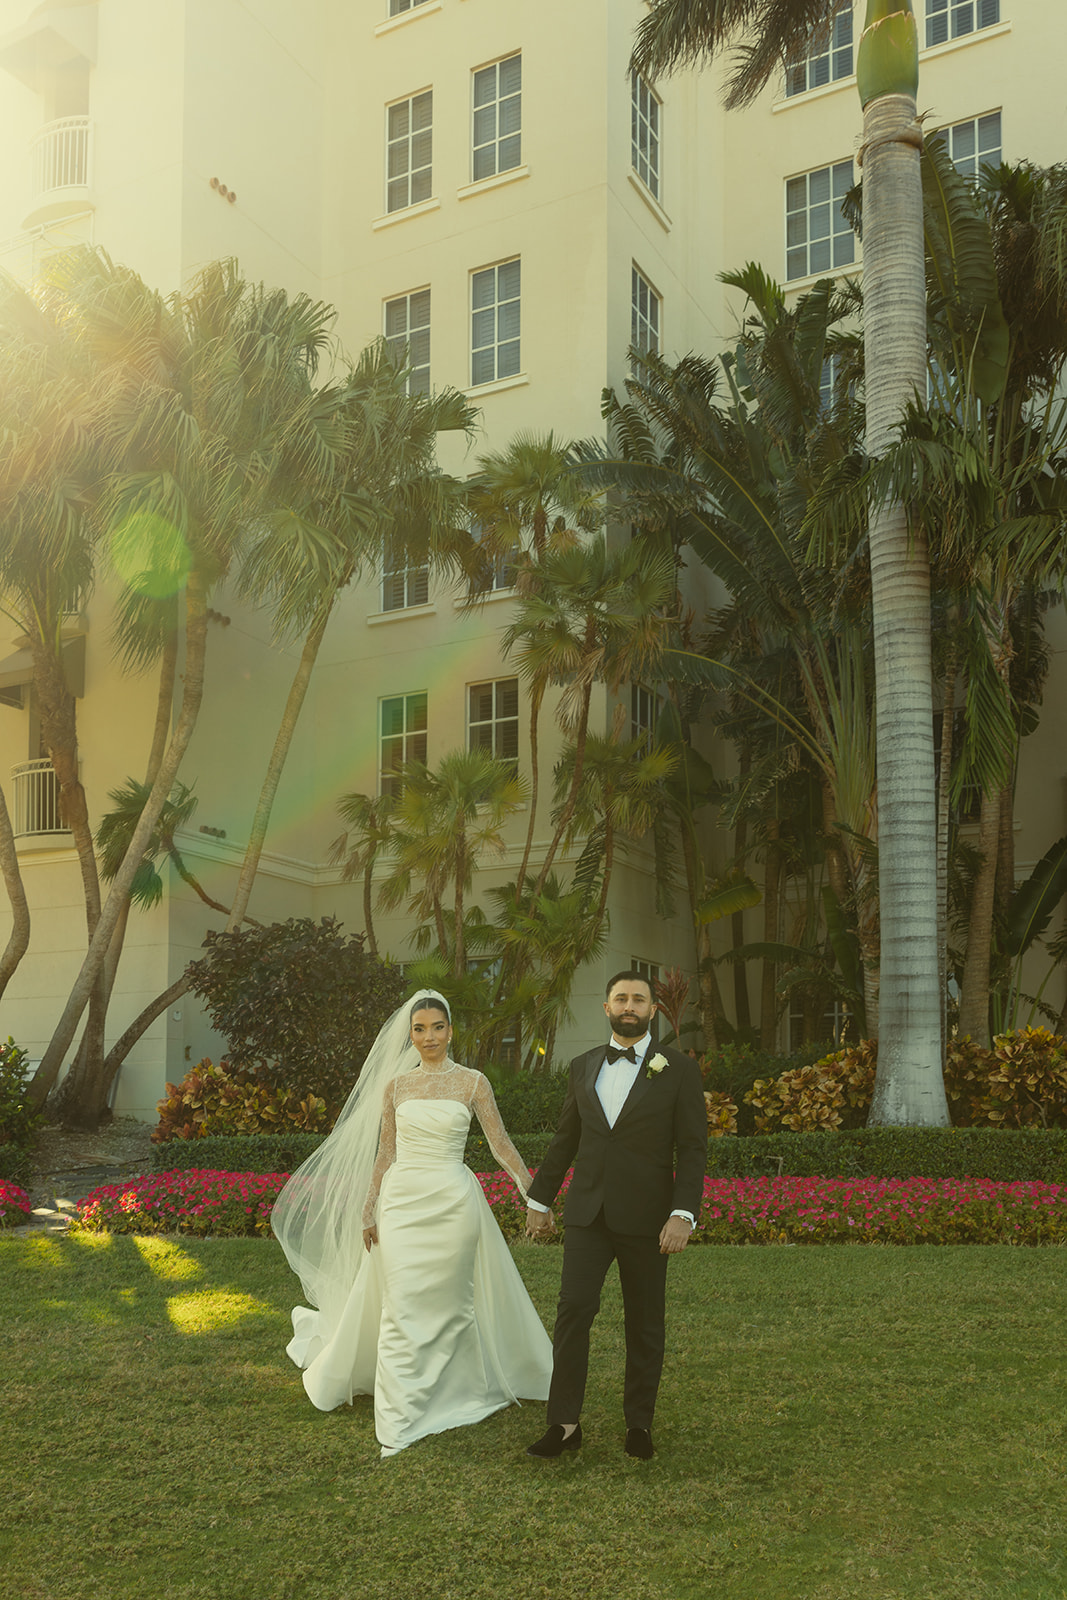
437, 1325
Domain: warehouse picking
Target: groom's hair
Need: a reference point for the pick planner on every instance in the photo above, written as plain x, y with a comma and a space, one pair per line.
629, 977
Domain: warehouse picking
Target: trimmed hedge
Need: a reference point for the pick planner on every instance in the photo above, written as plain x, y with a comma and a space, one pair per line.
236, 1152
1004, 1155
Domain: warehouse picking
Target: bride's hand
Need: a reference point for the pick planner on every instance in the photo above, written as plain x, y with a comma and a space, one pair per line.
370, 1236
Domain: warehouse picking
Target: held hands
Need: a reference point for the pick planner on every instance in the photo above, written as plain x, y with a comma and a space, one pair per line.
674, 1236
539, 1224
370, 1236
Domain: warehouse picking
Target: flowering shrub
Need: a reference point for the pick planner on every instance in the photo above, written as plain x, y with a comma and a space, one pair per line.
14, 1204
881, 1211
832, 1093
722, 1113
222, 1204
226, 1100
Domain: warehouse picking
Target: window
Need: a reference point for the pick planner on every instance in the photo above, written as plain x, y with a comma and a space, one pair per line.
403, 738
817, 237
644, 313
407, 333
398, 7
975, 144
642, 712
497, 137
409, 151
648, 970
495, 322
493, 718
499, 566
954, 19
404, 583
644, 133
830, 57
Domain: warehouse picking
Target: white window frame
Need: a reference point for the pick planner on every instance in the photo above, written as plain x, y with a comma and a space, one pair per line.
411, 343
645, 109
646, 312
947, 20
401, 153
838, 236
501, 726
492, 156
829, 59
404, 583
496, 315
403, 743
969, 166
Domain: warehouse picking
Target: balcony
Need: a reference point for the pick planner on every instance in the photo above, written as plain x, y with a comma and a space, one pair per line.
61, 156
35, 791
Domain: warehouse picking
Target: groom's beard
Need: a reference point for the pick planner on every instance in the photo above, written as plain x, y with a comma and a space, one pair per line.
627, 1028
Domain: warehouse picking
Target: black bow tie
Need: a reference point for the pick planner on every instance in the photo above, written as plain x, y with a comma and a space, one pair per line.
621, 1055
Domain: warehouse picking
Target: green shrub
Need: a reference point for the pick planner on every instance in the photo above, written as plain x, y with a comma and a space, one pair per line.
298, 1000
15, 1164
1004, 1156
19, 1121
732, 1069
223, 1100
255, 1152
828, 1094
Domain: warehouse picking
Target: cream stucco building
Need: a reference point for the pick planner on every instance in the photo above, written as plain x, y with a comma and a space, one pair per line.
484, 179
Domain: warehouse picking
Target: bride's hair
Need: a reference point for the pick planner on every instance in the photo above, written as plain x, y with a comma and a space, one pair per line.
429, 1002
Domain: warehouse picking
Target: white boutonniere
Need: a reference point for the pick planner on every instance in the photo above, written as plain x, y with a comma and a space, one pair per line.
655, 1065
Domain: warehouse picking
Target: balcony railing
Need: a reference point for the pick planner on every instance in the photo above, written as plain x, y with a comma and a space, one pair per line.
35, 790
61, 153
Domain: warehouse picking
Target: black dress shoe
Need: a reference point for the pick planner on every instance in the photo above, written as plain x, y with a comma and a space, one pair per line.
639, 1443
553, 1443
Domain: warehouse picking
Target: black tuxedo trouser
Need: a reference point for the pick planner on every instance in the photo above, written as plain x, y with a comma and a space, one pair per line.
587, 1254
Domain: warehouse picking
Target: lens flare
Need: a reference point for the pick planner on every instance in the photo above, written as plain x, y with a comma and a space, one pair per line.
150, 555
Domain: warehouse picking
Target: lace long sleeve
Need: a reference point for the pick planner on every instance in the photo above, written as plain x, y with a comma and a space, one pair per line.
484, 1103
386, 1153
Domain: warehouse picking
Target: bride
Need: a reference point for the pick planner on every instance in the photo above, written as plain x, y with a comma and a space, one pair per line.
418, 1299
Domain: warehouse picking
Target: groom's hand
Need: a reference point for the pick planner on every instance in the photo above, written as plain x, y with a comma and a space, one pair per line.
674, 1236
539, 1224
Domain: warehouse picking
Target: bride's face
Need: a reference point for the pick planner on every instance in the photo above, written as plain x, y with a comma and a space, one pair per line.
430, 1034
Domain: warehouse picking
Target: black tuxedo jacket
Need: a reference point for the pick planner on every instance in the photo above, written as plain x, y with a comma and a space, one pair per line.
652, 1162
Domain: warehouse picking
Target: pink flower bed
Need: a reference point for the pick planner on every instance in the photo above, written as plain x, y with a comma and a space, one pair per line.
881, 1211
734, 1210
14, 1204
193, 1201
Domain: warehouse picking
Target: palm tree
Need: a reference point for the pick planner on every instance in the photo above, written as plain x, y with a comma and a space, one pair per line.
444, 822
528, 503
204, 388
909, 1086
357, 850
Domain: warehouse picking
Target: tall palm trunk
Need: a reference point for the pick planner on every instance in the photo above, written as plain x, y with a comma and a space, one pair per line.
909, 1087
19, 940
193, 690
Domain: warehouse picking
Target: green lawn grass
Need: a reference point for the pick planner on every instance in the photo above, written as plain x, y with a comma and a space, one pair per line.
834, 1423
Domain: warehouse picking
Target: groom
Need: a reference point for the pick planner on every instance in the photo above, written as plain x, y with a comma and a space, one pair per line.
635, 1126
